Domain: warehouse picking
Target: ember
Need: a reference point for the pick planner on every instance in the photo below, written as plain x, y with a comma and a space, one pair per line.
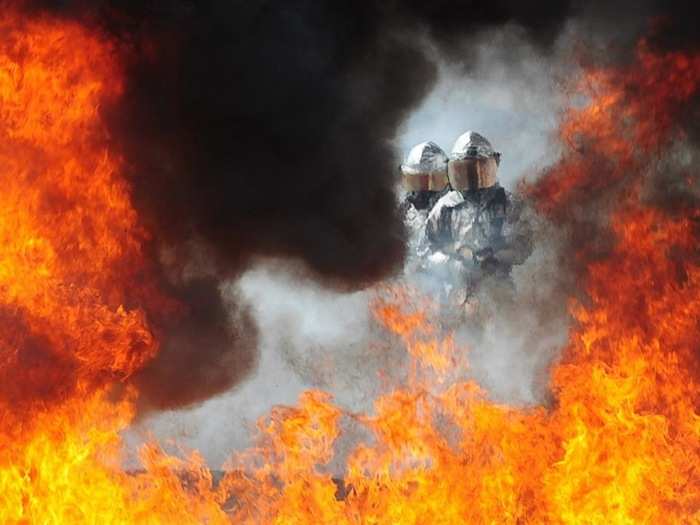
618, 445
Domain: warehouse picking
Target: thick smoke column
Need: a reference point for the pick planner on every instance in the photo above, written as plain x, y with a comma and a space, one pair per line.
260, 142
264, 129
256, 129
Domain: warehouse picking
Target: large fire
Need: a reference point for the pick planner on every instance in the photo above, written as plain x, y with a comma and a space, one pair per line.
620, 444
71, 267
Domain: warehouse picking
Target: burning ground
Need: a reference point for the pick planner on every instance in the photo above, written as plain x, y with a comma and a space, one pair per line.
110, 303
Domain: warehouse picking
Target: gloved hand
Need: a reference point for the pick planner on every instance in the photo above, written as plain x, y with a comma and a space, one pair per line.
466, 253
486, 260
483, 255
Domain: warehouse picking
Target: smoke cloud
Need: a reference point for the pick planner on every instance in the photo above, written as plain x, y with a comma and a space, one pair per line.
259, 129
510, 93
266, 129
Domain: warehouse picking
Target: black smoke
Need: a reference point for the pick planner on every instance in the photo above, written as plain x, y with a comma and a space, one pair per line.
260, 130
264, 128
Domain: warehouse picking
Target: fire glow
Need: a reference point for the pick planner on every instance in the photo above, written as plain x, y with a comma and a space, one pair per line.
619, 445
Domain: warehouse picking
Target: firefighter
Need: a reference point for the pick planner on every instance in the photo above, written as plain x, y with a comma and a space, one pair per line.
424, 178
478, 224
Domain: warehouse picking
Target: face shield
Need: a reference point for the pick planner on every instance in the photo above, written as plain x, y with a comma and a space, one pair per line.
425, 168
424, 181
472, 173
437, 180
415, 181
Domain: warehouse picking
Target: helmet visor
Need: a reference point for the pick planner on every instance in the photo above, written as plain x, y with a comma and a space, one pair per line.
437, 180
416, 182
472, 174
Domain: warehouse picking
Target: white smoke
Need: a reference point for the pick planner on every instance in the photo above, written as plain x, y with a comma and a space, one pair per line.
510, 95
315, 338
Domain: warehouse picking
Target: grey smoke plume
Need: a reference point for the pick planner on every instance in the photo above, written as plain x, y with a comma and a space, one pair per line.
264, 129
240, 120
312, 337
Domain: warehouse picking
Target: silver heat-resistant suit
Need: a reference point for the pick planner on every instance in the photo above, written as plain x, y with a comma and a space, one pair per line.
424, 177
476, 228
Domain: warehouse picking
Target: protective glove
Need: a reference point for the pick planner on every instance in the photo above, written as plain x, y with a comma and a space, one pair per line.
486, 260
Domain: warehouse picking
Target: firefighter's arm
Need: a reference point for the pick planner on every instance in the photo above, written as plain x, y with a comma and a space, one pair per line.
436, 232
517, 236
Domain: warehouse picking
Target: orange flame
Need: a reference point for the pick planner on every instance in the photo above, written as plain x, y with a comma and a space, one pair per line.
71, 263
621, 443
629, 110
70, 243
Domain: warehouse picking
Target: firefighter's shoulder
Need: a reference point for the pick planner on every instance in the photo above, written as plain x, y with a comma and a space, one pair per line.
449, 200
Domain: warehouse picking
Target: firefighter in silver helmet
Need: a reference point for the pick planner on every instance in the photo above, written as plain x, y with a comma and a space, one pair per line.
478, 223
424, 179
424, 176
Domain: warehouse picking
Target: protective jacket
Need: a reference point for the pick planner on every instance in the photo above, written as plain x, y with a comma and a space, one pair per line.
415, 209
424, 177
483, 229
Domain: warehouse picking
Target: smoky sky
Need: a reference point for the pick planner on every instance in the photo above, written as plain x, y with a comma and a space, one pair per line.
264, 129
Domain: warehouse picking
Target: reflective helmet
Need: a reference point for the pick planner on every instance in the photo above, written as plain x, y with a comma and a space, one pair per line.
473, 163
425, 168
